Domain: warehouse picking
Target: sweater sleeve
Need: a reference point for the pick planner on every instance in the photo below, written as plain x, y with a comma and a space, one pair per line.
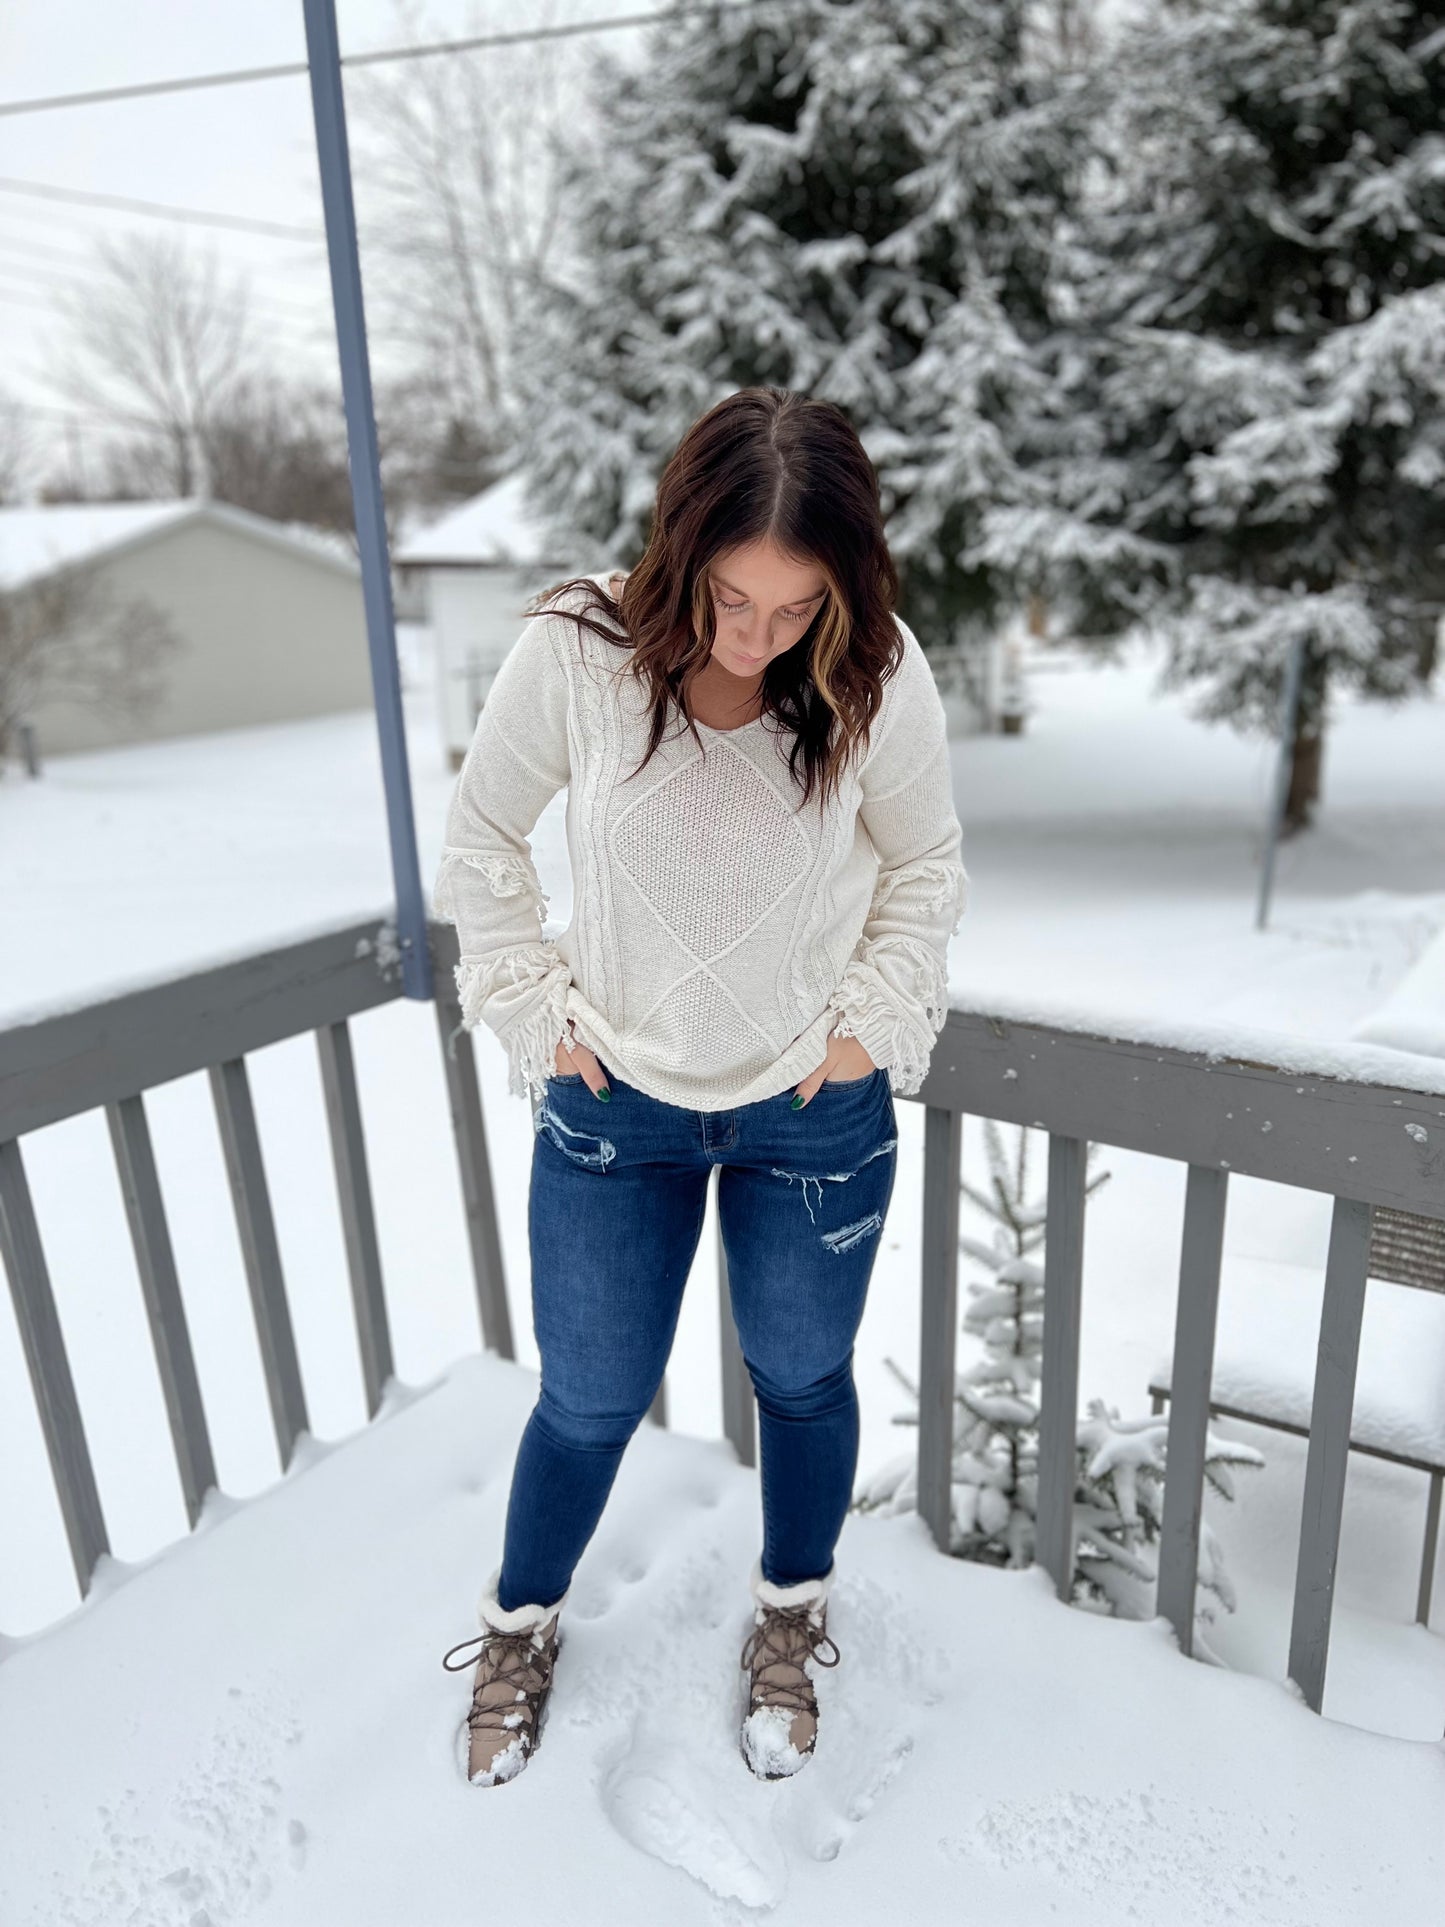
893, 994
510, 977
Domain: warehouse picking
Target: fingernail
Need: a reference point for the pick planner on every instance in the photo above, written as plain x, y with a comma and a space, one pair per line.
605, 1095
797, 1100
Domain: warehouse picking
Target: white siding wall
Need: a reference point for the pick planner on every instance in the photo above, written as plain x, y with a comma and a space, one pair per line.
476, 616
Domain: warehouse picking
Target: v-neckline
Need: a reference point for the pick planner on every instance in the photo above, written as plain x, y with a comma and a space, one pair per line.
736, 730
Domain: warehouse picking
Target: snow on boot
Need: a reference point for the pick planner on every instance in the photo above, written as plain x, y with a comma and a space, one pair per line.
780, 1726
518, 1650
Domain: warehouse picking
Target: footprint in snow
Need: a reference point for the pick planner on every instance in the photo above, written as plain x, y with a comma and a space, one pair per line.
678, 1789
679, 1807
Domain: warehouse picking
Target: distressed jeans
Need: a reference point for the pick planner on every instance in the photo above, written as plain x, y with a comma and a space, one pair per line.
614, 1212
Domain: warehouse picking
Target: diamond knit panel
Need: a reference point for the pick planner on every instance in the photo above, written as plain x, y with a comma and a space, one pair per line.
747, 851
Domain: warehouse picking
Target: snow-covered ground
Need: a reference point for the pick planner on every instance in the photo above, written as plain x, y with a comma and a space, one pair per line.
1113, 853
256, 1728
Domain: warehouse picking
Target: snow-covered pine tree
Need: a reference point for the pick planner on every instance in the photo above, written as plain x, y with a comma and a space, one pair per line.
1120, 1492
855, 201
1254, 448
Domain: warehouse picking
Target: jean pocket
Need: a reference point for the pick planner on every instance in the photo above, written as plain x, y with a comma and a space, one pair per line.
850, 1083
564, 1077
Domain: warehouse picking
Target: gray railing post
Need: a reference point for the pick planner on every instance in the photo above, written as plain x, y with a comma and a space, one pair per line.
739, 1404
1200, 1254
1430, 1550
260, 1252
469, 1133
165, 1310
49, 1368
1059, 1389
1328, 1455
942, 1157
358, 1220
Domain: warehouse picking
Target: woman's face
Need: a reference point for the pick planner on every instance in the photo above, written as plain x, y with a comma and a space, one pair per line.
762, 603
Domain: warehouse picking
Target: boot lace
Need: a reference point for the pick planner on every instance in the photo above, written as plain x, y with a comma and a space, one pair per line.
512, 1660
777, 1650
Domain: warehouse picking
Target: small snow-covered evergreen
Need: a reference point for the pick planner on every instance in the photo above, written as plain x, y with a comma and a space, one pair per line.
1119, 1509
1120, 1493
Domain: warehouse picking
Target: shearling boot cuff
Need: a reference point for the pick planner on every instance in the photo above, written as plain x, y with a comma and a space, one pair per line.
520, 1618
808, 1592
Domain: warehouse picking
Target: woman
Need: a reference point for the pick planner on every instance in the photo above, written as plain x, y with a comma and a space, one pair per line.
766, 863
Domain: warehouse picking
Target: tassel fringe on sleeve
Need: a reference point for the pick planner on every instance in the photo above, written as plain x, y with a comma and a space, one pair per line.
521, 995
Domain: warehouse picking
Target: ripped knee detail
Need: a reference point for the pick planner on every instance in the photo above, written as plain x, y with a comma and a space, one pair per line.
848, 1235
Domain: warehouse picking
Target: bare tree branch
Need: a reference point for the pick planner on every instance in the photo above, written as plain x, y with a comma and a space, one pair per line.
458, 169
163, 343
15, 449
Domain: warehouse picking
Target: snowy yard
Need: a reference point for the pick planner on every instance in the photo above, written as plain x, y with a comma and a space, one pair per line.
1044, 1762
268, 1737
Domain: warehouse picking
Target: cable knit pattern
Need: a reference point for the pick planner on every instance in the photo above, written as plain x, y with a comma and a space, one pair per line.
720, 932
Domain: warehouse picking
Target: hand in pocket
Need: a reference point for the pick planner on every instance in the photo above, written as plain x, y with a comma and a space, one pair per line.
579, 1058
846, 1062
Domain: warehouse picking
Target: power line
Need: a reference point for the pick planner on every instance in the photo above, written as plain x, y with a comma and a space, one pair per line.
313, 236
25, 245
79, 272
291, 69
199, 216
85, 415
294, 345
187, 83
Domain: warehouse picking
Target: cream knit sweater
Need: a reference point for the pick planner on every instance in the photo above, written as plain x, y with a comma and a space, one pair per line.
719, 932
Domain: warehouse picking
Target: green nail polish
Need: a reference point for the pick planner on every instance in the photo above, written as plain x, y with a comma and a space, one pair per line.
605, 1095
797, 1100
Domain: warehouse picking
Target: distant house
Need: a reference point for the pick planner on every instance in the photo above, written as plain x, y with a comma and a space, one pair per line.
268, 617
477, 566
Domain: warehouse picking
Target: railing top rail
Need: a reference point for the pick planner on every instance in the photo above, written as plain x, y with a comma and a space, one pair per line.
1347, 1060
1382, 1144
58, 1066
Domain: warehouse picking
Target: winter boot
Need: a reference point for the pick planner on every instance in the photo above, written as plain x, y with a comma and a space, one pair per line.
780, 1724
513, 1679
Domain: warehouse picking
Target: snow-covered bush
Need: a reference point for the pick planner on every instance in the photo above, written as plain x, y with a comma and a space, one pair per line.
1119, 1496
1119, 1508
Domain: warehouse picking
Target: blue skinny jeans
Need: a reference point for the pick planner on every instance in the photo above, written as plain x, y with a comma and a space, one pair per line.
615, 1208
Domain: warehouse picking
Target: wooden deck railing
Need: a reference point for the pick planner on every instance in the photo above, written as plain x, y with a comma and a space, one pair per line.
1374, 1149
1378, 1151
108, 1055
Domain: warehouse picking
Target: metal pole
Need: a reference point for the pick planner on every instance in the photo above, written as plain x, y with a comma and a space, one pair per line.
329, 110
1293, 676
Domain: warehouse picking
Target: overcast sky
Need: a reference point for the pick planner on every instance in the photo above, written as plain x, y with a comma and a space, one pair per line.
238, 150
247, 150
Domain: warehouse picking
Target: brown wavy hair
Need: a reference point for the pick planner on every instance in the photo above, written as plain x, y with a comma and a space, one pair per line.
766, 462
